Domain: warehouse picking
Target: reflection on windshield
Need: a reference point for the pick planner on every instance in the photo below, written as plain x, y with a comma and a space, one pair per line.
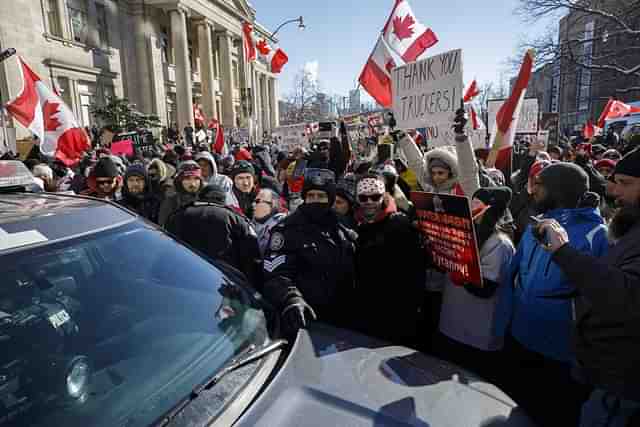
114, 329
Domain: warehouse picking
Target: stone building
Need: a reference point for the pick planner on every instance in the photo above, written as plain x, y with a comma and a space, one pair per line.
163, 55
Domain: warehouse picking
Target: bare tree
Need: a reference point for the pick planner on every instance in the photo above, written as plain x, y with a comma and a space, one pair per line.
302, 101
616, 22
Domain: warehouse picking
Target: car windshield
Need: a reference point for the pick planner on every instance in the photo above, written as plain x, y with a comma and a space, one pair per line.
114, 328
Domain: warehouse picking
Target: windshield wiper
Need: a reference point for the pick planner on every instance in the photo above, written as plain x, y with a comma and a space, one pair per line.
249, 355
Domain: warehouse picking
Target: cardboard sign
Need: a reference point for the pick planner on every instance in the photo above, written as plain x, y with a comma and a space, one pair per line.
550, 122
427, 93
122, 147
446, 222
528, 120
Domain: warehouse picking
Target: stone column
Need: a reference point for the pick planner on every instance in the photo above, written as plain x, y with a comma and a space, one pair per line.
226, 74
142, 85
273, 98
205, 45
184, 94
264, 99
63, 19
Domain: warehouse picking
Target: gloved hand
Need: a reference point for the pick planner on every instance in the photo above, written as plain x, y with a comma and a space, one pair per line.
397, 135
460, 121
296, 315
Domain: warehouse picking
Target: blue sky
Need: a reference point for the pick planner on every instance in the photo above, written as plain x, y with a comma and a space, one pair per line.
341, 33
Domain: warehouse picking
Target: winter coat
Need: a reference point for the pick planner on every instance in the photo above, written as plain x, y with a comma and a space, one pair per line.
462, 162
265, 229
607, 314
391, 262
538, 297
146, 205
217, 179
314, 260
164, 187
219, 233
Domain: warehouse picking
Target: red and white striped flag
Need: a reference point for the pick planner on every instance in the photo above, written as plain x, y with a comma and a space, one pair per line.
276, 58
376, 75
507, 118
405, 35
46, 115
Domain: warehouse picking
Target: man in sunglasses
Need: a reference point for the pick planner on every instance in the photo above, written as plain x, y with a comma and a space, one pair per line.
308, 265
105, 180
390, 251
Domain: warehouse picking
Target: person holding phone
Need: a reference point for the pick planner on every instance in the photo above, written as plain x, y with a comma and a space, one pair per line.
536, 311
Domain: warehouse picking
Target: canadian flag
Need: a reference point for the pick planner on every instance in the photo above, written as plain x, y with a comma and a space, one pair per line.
275, 57
615, 109
472, 91
218, 143
376, 75
405, 35
249, 43
507, 119
46, 115
590, 130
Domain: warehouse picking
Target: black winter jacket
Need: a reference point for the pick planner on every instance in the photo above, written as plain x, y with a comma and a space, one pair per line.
608, 314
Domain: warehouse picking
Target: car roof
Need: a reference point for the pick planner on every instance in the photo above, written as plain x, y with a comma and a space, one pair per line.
28, 219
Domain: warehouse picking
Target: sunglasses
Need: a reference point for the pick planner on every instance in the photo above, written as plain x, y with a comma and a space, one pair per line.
258, 201
103, 182
363, 198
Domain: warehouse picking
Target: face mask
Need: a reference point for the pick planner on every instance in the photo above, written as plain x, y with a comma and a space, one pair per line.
317, 212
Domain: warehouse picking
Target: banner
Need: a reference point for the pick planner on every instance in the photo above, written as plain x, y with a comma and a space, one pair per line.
124, 147
427, 93
551, 122
446, 222
528, 121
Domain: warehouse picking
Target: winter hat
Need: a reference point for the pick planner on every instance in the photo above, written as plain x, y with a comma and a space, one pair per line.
320, 179
370, 185
346, 188
555, 149
566, 183
629, 164
612, 154
188, 168
438, 163
537, 167
496, 197
242, 166
136, 169
106, 168
213, 193
605, 163
270, 183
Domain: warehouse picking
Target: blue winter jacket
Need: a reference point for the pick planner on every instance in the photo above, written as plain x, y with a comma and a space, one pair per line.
538, 300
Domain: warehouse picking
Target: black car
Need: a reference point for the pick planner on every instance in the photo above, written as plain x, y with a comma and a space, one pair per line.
105, 320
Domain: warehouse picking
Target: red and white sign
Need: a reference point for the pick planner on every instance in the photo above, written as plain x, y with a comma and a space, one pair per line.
45, 114
405, 35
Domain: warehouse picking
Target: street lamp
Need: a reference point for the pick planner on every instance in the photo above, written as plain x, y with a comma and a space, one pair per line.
299, 20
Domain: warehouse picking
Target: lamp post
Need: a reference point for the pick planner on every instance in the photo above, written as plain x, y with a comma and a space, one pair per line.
299, 20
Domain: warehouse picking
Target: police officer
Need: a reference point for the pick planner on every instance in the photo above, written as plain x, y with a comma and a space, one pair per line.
218, 231
309, 264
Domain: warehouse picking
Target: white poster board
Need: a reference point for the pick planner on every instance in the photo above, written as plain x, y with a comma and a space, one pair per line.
528, 121
427, 93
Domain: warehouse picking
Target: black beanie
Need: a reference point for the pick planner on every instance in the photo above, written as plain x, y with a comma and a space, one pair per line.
106, 168
327, 187
270, 183
629, 164
497, 197
242, 166
213, 193
565, 183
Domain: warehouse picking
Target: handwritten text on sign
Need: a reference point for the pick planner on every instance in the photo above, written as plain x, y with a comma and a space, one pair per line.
527, 121
427, 93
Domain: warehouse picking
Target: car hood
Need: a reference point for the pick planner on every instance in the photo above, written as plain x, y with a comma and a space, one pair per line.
336, 378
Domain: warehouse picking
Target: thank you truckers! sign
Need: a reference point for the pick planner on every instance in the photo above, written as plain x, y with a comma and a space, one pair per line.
446, 221
427, 93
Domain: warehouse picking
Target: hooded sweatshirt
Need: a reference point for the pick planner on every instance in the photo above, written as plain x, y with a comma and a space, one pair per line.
217, 179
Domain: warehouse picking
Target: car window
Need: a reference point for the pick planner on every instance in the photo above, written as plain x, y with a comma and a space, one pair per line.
114, 328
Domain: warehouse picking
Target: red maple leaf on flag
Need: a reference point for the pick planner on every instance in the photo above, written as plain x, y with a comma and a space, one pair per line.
402, 27
48, 110
263, 47
390, 65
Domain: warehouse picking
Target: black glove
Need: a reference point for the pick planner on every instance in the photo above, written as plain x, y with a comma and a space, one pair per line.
489, 289
397, 135
460, 120
297, 314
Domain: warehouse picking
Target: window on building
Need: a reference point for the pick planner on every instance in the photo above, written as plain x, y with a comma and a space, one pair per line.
164, 45
216, 60
172, 116
584, 75
103, 28
87, 97
64, 89
53, 18
79, 17
236, 74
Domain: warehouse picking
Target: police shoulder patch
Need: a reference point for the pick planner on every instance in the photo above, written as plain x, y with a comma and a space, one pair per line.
277, 241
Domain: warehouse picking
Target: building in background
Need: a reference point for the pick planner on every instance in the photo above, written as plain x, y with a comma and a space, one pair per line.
163, 55
354, 101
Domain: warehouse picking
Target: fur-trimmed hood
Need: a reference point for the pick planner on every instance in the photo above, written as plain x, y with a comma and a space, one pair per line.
447, 156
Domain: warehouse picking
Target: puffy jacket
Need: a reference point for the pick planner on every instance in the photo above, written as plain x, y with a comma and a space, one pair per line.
218, 179
538, 299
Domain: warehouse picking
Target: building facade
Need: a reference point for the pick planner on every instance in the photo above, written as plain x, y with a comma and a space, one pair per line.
165, 56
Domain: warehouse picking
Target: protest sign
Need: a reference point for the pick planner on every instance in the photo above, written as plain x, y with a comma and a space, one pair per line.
528, 120
447, 223
124, 147
427, 93
543, 138
550, 122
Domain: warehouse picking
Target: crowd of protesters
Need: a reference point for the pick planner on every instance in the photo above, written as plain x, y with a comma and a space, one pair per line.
330, 235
